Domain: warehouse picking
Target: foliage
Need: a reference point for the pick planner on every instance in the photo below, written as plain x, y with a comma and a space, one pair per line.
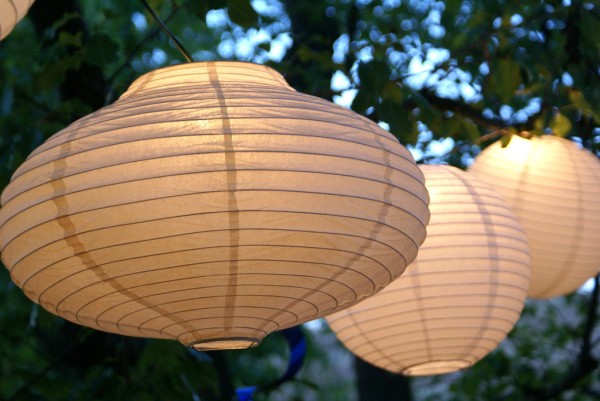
446, 77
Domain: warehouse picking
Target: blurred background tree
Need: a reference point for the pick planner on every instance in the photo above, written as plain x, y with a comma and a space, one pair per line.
445, 77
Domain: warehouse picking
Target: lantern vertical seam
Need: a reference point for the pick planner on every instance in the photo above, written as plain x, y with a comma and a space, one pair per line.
415, 277
383, 212
72, 240
494, 259
232, 204
387, 195
377, 225
519, 195
575, 244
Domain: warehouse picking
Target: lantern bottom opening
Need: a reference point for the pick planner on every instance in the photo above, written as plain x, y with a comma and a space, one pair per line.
436, 368
225, 343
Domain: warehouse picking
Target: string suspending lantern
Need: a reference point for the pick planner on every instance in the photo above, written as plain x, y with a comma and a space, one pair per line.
11, 12
211, 204
554, 188
461, 296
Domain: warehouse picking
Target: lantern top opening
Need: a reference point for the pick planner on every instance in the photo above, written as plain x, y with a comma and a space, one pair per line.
212, 73
436, 368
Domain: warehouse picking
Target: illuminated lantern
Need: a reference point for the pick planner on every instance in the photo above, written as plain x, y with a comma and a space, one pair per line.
11, 12
211, 204
554, 188
461, 296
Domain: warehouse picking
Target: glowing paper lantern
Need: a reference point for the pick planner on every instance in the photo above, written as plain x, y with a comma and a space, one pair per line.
211, 204
459, 298
554, 188
11, 12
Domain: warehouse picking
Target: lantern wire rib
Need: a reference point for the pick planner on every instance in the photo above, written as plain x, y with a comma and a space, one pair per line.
170, 34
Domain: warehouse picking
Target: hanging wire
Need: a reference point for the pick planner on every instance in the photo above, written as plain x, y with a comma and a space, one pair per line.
178, 44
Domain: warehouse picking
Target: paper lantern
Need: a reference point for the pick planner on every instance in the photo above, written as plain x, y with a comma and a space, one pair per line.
211, 204
554, 188
11, 12
461, 296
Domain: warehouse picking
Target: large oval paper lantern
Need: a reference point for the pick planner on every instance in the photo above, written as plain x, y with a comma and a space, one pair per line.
461, 296
11, 12
554, 188
211, 204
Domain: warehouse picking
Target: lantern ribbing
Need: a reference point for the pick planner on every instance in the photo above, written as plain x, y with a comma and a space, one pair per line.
11, 12
211, 204
459, 298
554, 188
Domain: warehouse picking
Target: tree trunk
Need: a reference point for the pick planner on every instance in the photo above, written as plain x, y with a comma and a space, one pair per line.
376, 384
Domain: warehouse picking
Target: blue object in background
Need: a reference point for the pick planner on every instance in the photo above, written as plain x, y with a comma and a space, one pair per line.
297, 343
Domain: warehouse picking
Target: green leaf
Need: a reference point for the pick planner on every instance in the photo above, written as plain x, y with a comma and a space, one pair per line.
199, 8
362, 101
55, 73
505, 79
100, 49
309, 54
471, 130
505, 140
68, 39
425, 110
66, 18
242, 13
402, 125
265, 46
589, 33
578, 99
560, 125
393, 91
374, 74
540, 124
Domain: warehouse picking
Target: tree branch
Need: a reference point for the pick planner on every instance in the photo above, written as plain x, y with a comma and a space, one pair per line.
464, 110
224, 376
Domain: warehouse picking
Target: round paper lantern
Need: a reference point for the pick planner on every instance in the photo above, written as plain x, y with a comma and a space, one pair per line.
211, 204
11, 12
554, 188
461, 296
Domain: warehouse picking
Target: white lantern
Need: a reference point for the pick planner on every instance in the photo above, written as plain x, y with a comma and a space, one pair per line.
11, 12
461, 296
554, 188
211, 204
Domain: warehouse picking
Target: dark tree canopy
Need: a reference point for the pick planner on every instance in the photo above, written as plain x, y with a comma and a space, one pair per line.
445, 77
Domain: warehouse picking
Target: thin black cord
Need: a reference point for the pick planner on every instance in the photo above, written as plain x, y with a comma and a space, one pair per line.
180, 47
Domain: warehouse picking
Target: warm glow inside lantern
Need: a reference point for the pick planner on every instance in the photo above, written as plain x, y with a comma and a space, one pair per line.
554, 188
11, 12
461, 296
211, 204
